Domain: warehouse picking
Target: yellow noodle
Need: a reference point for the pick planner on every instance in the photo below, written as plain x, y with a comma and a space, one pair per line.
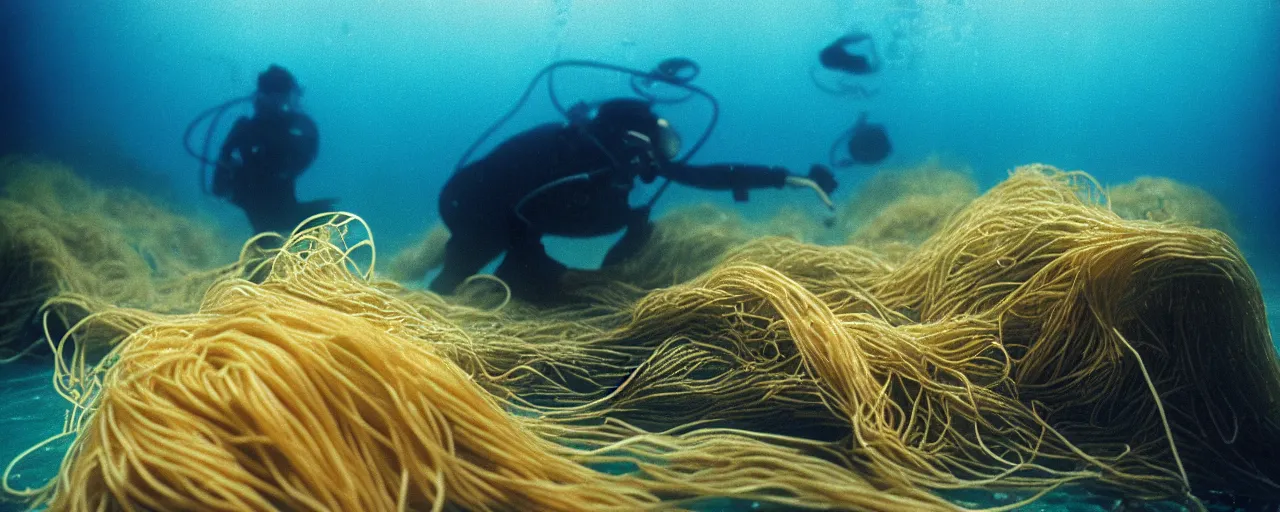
1019, 347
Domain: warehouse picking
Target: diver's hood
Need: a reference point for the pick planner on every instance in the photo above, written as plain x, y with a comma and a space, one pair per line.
635, 120
276, 80
278, 91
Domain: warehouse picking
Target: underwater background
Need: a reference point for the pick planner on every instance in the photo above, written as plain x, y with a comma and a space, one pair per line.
1181, 89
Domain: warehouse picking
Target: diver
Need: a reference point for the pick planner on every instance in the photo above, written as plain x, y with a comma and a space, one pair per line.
262, 157
866, 144
573, 179
845, 56
841, 55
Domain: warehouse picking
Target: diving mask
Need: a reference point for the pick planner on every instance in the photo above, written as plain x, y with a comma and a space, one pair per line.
668, 140
667, 146
278, 101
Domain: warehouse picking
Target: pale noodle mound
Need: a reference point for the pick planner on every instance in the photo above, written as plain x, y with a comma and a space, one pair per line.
1034, 340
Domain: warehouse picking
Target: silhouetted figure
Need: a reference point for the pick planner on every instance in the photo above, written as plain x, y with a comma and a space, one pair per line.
847, 58
841, 55
263, 156
574, 180
869, 143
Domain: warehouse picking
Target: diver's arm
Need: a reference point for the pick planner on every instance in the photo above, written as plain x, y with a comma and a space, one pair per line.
736, 177
225, 170
639, 229
740, 178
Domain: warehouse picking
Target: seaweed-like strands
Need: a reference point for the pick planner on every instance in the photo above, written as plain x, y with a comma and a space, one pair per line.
59, 236
1164, 200
1072, 300
898, 209
279, 396
1035, 341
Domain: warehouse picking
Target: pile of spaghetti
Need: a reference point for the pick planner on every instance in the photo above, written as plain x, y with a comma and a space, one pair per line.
60, 237
1036, 340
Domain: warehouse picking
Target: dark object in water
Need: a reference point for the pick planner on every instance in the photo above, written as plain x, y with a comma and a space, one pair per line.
263, 155
869, 144
838, 57
667, 72
866, 143
848, 57
570, 180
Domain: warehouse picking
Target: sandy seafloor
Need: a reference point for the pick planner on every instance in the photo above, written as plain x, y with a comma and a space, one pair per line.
33, 412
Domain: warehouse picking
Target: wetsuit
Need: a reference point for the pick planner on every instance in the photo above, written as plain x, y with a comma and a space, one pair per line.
555, 180
259, 165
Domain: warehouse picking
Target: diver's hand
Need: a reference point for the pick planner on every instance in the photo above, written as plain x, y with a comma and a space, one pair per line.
818, 188
821, 175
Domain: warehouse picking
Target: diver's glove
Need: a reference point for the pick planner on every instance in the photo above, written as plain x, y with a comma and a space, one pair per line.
821, 175
820, 180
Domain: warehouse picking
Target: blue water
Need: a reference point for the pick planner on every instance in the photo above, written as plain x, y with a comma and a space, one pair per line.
1181, 88
1186, 89
32, 414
